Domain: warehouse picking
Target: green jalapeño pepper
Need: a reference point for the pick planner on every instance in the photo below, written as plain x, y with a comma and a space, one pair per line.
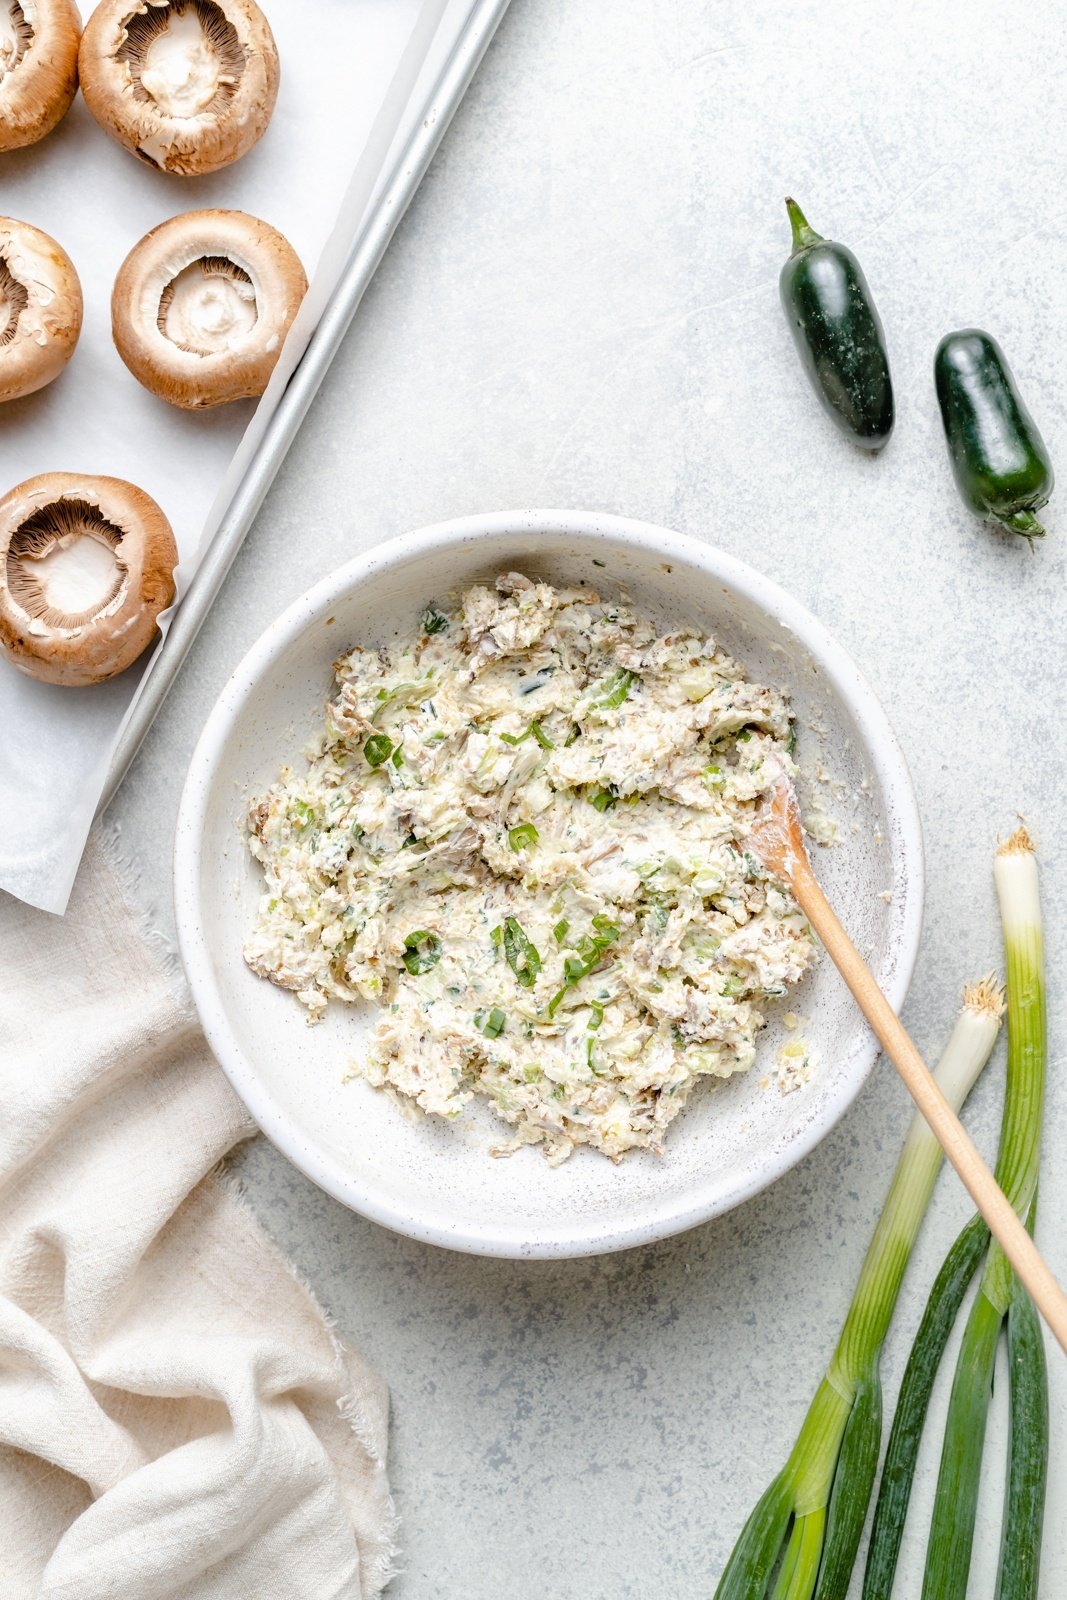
1002, 468
838, 334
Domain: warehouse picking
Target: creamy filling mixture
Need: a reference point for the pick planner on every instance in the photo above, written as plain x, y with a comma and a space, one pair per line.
209, 308
521, 835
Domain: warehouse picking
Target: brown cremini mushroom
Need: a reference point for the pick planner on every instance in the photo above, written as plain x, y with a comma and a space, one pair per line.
40, 309
38, 67
187, 85
86, 566
202, 304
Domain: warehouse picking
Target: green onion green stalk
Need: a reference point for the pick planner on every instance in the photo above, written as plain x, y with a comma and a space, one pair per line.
807, 1524
1001, 1303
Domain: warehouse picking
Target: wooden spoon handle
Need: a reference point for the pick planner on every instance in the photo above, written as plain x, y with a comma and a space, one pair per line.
950, 1133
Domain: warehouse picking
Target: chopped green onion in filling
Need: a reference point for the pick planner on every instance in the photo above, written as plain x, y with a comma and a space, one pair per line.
378, 749
422, 951
616, 691
522, 956
589, 954
493, 1024
534, 731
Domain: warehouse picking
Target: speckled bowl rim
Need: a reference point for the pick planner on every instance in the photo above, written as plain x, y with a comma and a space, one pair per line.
887, 759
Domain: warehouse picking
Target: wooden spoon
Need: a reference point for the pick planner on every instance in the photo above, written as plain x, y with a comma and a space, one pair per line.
778, 842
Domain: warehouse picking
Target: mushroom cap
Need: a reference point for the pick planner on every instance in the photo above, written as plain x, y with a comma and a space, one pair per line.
37, 91
180, 137
267, 268
40, 308
39, 632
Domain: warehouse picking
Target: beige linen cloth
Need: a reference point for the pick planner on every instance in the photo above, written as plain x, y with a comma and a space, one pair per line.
176, 1417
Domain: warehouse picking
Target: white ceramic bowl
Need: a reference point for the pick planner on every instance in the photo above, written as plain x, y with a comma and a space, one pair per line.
436, 1181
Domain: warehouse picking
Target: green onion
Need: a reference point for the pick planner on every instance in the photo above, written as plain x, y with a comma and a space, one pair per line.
422, 951
522, 956
493, 1026
559, 932
616, 690
433, 621
894, 1490
534, 731
398, 756
523, 836
590, 952
602, 799
1024, 1504
816, 1505
378, 748
948, 1550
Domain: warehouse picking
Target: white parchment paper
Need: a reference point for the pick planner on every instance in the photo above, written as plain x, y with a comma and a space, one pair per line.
346, 70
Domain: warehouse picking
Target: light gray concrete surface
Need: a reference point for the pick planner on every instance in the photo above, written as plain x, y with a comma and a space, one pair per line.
581, 310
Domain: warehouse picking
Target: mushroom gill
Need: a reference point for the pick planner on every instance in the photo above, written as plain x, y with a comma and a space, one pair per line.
63, 565
184, 55
209, 307
14, 298
16, 36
